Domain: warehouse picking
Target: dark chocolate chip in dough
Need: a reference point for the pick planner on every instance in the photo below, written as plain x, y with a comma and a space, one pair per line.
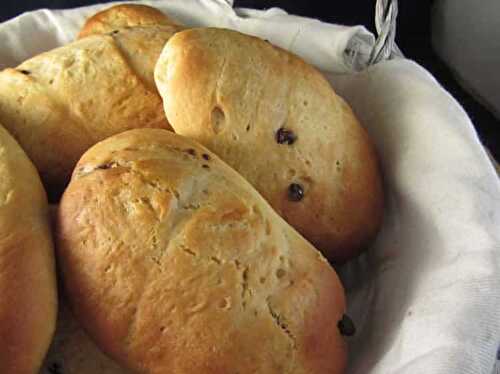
284, 136
295, 192
346, 326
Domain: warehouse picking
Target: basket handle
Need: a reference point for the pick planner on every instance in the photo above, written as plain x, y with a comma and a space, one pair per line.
385, 48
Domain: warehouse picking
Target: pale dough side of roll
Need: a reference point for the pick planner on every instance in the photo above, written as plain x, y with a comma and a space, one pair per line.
28, 295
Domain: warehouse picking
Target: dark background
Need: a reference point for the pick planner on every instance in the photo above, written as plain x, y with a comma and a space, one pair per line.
413, 38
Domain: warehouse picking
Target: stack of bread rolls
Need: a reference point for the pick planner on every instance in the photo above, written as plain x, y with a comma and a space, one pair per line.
202, 180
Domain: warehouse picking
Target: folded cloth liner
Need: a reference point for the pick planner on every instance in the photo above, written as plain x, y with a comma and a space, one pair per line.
426, 297
338, 50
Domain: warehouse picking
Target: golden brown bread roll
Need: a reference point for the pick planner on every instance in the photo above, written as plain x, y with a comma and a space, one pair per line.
173, 263
277, 121
121, 16
28, 295
72, 351
61, 102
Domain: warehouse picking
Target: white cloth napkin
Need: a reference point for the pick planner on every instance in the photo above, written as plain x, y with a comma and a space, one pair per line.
426, 297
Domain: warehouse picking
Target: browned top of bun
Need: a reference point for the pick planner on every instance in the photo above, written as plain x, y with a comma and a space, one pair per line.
278, 122
173, 263
124, 15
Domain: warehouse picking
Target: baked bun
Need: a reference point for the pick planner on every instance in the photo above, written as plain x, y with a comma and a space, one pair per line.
173, 263
122, 16
277, 121
72, 351
28, 295
61, 102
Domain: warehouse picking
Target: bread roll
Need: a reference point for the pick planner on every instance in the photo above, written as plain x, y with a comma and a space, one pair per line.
122, 16
61, 102
277, 121
28, 296
72, 352
173, 263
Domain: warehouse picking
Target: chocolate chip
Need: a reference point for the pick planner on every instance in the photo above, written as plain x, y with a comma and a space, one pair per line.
205, 156
204, 166
115, 32
285, 136
55, 368
25, 72
191, 151
346, 326
295, 192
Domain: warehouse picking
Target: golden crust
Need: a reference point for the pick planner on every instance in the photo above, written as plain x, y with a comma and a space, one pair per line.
28, 297
173, 263
232, 93
61, 102
121, 16
72, 351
